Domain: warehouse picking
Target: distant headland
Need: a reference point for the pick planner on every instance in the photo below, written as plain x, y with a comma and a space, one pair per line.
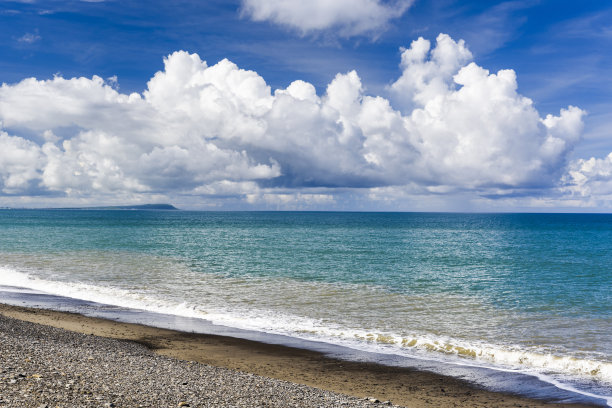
150, 207
165, 207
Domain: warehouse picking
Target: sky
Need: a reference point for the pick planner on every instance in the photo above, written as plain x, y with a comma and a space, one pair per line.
357, 105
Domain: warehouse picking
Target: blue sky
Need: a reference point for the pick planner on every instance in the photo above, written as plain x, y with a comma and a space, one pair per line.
560, 51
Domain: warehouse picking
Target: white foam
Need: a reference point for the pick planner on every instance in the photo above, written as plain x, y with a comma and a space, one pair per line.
546, 366
95, 293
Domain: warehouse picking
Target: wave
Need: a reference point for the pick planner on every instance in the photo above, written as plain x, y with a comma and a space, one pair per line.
448, 349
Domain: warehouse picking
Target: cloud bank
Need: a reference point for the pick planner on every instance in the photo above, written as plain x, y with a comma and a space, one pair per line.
448, 126
347, 18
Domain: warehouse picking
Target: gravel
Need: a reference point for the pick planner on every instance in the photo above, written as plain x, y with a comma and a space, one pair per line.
42, 366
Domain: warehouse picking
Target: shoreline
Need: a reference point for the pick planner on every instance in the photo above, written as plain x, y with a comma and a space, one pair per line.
401, 386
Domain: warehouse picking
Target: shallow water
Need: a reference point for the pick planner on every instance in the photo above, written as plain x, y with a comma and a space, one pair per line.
520, 292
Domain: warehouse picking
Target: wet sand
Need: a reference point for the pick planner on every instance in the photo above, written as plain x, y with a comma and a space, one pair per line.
401, 386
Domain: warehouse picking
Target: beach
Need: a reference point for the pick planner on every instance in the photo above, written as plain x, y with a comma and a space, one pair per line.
52, 358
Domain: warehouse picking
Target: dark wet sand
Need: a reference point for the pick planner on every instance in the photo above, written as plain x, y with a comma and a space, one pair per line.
401, 386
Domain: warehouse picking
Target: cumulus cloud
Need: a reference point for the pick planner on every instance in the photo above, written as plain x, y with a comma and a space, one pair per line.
20, 163
204, 130
590, 178
472, 128
114, 142
347, 17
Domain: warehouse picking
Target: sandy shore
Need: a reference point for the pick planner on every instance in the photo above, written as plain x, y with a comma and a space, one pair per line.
192, 356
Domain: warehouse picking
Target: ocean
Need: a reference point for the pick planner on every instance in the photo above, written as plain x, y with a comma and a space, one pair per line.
526, 295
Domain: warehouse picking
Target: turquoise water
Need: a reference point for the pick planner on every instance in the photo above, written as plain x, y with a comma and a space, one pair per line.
525, 292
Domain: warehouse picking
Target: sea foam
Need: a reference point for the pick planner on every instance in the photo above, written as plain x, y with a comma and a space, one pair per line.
425, 346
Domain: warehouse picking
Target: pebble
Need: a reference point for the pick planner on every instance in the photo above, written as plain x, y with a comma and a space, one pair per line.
70, 369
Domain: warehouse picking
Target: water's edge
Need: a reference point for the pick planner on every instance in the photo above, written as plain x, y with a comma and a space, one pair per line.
497, 380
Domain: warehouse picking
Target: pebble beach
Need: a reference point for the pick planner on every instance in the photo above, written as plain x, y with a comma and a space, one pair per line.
57, 359
47, 367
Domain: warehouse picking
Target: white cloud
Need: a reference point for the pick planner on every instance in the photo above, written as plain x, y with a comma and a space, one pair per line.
198, 130
426, 72
471, 127
96, 140
348, 17
591, 178
20, 163
29, 38
291, 200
